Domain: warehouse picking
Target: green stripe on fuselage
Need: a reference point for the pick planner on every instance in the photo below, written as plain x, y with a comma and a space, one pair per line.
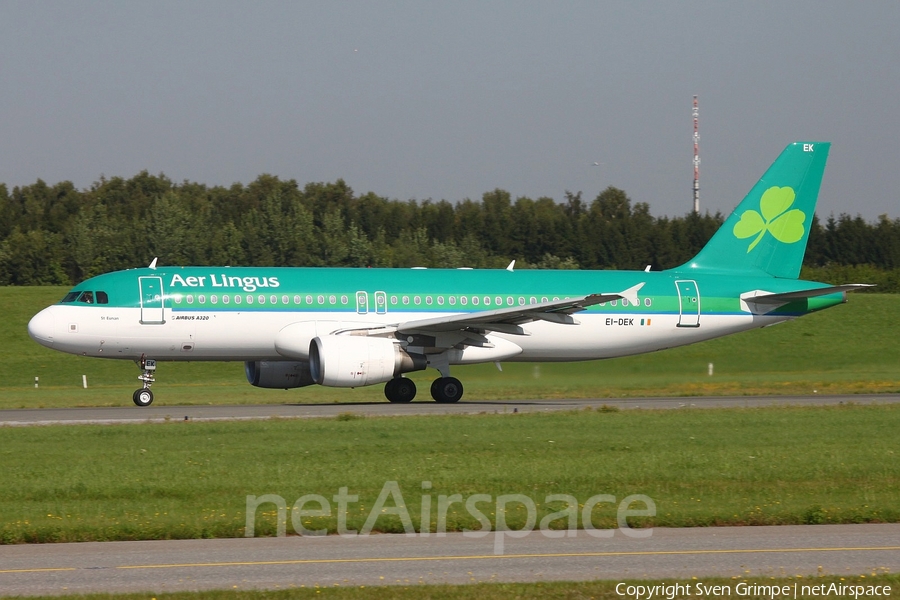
719, 294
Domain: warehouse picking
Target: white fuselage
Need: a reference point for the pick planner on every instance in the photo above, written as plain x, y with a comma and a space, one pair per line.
244, 336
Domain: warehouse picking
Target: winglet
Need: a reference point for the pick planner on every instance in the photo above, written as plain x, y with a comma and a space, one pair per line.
153, 263
631, 294
511, 265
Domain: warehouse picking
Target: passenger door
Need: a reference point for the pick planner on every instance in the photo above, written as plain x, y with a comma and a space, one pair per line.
688, 303
152, 301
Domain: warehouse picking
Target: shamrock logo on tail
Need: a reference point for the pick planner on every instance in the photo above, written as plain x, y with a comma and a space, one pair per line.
785, 225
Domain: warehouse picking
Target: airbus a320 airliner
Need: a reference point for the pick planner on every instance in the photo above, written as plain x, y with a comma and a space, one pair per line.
294, 327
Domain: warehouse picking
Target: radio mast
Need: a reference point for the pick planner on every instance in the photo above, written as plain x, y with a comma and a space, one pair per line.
696, 157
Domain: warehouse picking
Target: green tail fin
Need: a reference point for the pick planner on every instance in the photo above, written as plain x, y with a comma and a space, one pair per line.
767, 232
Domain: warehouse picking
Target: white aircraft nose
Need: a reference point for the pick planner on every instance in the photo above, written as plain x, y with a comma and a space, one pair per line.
42, 327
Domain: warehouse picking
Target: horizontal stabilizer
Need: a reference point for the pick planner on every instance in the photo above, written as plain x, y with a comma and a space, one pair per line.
791, 296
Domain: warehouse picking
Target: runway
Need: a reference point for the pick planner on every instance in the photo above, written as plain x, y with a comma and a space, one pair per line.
161, 413
278, 563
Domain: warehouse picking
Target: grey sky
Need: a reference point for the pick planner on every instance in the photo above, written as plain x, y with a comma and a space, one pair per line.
449, 100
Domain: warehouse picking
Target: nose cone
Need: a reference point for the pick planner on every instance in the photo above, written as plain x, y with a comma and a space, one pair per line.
42, 327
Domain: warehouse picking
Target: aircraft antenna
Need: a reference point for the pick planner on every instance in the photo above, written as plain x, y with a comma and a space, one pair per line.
696, 115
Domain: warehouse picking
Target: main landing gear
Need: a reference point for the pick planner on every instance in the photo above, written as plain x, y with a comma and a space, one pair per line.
400, 389
444, 390
143, 396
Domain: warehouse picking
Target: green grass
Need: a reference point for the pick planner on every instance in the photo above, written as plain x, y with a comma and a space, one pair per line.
563, 590
779, 465
847, 349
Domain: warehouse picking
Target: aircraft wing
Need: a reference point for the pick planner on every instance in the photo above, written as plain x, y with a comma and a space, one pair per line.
454, 330
507, 320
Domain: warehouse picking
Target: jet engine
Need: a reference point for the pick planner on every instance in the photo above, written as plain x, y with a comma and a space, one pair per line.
277, 374
354, 361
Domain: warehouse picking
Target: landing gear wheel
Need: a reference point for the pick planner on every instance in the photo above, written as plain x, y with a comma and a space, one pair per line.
446, 390
142, 397
400, 389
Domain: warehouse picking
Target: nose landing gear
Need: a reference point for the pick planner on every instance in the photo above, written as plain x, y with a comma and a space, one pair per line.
143, 396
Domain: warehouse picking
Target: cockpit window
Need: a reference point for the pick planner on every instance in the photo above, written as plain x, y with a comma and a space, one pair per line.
86, 297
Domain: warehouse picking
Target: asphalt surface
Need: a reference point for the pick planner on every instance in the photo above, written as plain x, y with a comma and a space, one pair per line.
158, 413
277, 563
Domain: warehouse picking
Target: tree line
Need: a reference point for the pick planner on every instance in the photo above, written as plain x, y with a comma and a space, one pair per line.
57, 234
